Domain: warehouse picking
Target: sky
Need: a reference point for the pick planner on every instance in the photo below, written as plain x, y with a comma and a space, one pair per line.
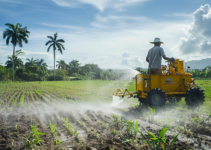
114, 34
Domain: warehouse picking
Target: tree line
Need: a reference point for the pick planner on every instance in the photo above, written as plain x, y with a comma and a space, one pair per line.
37, 70
203, 73
16, 34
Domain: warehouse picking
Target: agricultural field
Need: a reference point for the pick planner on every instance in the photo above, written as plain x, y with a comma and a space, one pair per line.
78, 115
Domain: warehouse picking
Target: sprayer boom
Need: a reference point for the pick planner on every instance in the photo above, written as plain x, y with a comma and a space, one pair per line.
126, 92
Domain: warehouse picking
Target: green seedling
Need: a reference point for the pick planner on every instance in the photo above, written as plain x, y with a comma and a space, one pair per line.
75, 133
104, 124
33, 138
97, 135
152, 115
69, 127
160, 142
66, 123
90, 131
58, 142
111, 148
135, 130
114, 133
21, 100
81, 123
116, 119
81, 143
16, 127
53, 128
99, 121
129, 126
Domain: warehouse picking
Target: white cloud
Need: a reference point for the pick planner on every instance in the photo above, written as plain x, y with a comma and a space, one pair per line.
197, 43
126, 54
183, 15
59, 26
99, 4
116, 22
131, 61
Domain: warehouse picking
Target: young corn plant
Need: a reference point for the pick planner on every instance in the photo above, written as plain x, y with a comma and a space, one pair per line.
118, 120
53, 128
158, 142
58, 142
152, 115
67, 124
16, 127
135, 130
114, 133
22, 100
129, 125
33, 138
81, 123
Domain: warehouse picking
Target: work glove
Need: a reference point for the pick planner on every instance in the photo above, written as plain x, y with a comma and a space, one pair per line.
172, 59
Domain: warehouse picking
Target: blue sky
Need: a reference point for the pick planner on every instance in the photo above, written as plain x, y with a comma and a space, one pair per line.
110, 33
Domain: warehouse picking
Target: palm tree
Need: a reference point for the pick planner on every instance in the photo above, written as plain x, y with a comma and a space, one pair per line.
31, 62
42, 64
17, 35
56, 44
14, 60
61, 64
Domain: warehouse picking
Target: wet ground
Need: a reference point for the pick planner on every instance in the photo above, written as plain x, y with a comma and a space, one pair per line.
95, 126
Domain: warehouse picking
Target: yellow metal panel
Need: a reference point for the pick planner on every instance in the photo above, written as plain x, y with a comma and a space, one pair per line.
171, 84
175, 93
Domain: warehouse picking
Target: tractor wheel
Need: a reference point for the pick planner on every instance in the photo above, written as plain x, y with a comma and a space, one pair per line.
156, 97
194, 97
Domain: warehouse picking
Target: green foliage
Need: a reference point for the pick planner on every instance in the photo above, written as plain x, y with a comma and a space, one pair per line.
202, 74
135, 130
117, 120
158, 142
22, 100
67, 124
33, 138
58, 142
53, 128
152, 115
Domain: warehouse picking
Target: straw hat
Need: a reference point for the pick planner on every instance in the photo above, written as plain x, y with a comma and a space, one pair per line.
156, 40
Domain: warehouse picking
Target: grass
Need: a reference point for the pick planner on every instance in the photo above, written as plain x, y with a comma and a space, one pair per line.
86, 91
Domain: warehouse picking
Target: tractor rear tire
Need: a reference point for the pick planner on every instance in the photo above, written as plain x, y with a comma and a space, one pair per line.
156, 97
194, 97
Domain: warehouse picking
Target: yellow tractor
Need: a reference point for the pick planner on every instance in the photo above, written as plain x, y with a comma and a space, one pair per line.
173, 84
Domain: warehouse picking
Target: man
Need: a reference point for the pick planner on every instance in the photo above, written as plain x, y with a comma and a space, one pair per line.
154, 57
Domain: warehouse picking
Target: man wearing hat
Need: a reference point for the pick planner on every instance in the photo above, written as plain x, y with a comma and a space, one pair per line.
154, 57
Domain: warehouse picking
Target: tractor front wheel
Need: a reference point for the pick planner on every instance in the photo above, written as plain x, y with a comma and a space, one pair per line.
156, 97
194, 97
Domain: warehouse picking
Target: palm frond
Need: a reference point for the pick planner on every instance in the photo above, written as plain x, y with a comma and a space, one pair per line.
55, 36
10, 25
48, 42
61, 46
20, 41
50, 37
7, 32
8, 40
60, 40
49, 47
